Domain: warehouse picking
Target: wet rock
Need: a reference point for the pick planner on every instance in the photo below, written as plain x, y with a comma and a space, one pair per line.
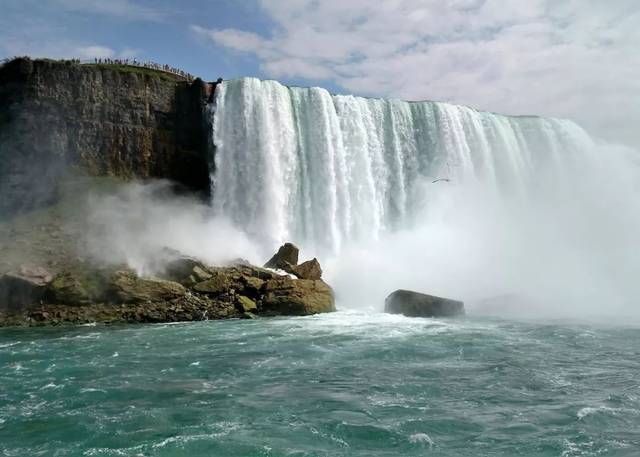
286, 296
245, 304
415, 304
18, 292
219, 283
252, 286
69, 289
257, 272
308, 270
126, 287
38, 275
186, 271
285, 258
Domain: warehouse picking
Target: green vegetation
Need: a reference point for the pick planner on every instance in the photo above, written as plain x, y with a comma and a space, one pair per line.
136, 70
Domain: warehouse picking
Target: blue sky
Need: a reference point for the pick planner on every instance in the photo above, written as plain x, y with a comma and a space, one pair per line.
575, 59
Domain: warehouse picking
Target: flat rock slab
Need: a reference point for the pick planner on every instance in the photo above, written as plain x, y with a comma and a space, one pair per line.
416, 304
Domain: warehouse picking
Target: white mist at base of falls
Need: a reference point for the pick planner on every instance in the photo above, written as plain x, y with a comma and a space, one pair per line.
430, 196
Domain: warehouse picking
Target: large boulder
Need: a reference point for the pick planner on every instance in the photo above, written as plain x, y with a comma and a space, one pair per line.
126, 287
220, 282
285, 258
300, 297
415, 304
186, 270
70, 289
308, 270
19, 290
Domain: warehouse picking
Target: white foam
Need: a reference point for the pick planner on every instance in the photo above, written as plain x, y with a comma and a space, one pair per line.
421, 438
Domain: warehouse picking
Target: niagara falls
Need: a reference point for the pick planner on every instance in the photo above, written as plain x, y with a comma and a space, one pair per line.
319, 228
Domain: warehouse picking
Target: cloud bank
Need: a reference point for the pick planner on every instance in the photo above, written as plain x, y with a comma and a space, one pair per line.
569, 58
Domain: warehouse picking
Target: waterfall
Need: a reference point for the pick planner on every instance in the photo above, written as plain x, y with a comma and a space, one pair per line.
303, 165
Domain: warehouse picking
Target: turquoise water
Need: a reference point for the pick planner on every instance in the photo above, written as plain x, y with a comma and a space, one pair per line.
346, 384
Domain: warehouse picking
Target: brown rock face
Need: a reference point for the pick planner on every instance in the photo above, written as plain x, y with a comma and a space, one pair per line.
68, 288
126, 287
285, 258
104, 120
299, 297
308, 270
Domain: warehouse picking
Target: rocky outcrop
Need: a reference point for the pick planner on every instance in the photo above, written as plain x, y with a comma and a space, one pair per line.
299, 297
308, 270
127, 287
187, 289
17, 292
104, 120
285, 258
415, 304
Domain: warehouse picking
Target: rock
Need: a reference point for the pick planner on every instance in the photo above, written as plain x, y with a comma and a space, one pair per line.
126, 287
68, 288
245, 304
257, 272
218, 283
286, 296
200, 274
308, 270
38, 275
415, 304
186, 271
285, 258
18, 292
252, 285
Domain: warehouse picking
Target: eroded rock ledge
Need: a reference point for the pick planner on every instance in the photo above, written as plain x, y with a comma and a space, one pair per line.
187, 290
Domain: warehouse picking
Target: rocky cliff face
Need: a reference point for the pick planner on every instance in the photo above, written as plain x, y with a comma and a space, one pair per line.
104, 120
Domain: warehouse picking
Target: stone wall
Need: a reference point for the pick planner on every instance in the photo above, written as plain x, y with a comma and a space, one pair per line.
103, 120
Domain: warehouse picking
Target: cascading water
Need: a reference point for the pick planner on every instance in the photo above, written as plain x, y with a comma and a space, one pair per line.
430, 196
304, 165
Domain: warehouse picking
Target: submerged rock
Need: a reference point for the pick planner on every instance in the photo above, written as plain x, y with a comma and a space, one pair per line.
415, 304
286, 296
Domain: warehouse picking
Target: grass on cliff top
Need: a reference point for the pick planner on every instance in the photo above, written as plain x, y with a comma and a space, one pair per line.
136, 70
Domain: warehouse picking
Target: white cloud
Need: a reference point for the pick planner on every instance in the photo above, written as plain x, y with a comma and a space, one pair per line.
566, 58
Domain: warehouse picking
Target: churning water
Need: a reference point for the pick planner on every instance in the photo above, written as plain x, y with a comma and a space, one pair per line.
433, 197
346, 384
519, 215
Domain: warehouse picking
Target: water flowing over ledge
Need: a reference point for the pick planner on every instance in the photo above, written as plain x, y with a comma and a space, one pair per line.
301, 164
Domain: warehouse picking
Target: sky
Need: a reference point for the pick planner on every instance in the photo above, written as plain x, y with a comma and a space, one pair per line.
576, 59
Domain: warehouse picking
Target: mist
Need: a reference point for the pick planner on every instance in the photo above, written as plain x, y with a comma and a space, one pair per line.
144, 225
561, 245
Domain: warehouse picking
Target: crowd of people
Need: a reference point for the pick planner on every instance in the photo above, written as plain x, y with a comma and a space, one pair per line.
151, 65
132, 62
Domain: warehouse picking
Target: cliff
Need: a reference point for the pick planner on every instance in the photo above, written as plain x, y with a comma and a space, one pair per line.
101, 120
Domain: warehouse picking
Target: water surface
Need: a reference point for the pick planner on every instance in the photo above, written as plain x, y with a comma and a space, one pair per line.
345, 384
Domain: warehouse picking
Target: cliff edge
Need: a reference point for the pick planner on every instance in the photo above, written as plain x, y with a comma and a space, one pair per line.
58, 117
